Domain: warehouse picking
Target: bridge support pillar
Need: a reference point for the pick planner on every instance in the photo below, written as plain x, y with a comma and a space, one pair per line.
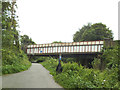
108, 42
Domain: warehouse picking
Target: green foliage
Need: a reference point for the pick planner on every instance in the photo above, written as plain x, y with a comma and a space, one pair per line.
109, 58
25, 41
10, 35
14, 62
7, 69
41, 59
66, 60
96, 63
57, 42
78, 36
75, 76
13, 58
51, 65
97, 31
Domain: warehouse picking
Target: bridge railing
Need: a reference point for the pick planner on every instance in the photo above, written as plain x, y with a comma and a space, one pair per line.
73, 47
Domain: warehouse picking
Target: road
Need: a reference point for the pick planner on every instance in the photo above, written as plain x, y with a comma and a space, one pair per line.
35, 77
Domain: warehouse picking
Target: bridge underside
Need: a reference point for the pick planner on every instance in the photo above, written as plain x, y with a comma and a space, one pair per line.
66, 54
83, 58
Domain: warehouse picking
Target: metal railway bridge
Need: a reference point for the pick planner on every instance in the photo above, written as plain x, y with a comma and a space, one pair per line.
84, 51
71, 48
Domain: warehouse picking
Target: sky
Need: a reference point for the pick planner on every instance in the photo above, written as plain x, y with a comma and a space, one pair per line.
46, 21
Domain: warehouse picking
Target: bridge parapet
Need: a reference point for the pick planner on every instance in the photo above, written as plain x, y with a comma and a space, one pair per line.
65, 48
67, 44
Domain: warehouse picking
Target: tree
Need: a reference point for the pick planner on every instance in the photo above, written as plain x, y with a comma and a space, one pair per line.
25, 41
10, 35
97, 31
13, 58
57, 42
78, 36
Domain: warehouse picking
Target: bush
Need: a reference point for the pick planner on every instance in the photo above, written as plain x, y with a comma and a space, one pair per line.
96, 63
41, 59
75, 76
109, 58
7, 69
13, 61
66, 60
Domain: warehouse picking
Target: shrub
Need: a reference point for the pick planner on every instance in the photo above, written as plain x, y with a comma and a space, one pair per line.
109, 58
13, 61
75, 76
96, 63
41, 59
66, 60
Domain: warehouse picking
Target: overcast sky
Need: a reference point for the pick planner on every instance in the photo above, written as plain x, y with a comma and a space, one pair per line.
46, 21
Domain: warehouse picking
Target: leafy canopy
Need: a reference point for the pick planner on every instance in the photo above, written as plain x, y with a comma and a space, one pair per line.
97, 31
13, 58
25, 41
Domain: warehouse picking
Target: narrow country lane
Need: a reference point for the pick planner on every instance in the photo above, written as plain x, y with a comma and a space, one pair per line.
36, 77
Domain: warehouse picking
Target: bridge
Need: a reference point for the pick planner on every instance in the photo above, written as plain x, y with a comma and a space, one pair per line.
84, 47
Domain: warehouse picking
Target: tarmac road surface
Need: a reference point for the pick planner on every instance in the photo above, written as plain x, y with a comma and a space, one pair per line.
35, 77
